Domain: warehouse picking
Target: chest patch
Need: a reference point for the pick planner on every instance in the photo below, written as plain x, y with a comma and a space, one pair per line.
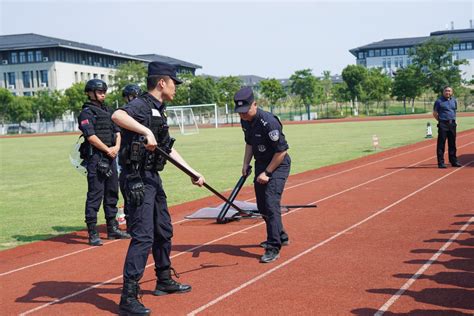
262, 148
274, 135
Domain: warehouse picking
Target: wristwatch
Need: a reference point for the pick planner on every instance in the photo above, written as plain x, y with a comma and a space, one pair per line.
268, 174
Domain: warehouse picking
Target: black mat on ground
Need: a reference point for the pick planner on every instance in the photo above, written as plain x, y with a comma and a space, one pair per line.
213, 212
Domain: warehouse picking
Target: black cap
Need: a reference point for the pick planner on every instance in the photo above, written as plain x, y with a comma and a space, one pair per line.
131, 90
157, 68
243, 100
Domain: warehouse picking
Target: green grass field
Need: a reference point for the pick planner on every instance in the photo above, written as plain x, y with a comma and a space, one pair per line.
43, 196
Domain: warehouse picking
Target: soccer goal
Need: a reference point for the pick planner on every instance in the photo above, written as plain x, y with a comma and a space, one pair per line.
189, 118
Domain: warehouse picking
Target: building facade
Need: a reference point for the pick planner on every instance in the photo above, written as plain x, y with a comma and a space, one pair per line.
392, 54
32, 62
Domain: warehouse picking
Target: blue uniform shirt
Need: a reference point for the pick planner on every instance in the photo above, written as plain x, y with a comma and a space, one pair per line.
446, 108
140, 111
264, 134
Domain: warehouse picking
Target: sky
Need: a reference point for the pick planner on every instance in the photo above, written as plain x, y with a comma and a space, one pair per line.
271, 39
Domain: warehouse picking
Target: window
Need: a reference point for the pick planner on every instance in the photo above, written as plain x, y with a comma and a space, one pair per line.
27, 94
389, 52
39, 56
31, 57
384, 63
44, 77
468, 45
26, 79
456, 47
462, 46
102, 77
383, 52
14, 58
361, 55
389, 63
11, 79
22, 57
371, 53
395, 51
396, 62
377, 52
95, 76
401, 62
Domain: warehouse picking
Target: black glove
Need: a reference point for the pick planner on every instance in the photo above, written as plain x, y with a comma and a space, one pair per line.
103, 167
136, 189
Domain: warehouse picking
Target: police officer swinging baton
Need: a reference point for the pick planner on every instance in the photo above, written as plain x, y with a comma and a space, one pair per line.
195, 178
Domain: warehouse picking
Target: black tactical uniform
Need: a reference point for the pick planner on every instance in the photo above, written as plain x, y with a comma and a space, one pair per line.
102, 179
264, 134
149, 220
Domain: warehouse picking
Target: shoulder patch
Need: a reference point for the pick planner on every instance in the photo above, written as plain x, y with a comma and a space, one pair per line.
274, 135
84, 122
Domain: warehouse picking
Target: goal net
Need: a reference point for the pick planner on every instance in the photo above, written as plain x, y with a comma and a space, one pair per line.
189, 118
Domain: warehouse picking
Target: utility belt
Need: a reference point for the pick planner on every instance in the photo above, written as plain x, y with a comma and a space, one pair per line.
137, 158
448, 121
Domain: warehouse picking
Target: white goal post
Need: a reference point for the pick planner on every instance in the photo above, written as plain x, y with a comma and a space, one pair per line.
188, 118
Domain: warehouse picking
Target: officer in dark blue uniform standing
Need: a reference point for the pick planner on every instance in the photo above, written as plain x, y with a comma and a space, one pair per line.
129, 93
444, 111
266, 143
99, 150
144, 127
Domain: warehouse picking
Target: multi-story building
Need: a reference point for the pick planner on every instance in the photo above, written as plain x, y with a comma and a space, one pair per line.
31, 62
391, 54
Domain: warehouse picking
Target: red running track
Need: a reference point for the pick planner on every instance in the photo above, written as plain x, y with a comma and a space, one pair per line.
392, 234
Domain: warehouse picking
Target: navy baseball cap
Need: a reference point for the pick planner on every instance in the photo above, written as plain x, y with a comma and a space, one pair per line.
243, 99
157, 68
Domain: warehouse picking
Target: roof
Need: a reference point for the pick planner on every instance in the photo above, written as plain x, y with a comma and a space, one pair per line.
460, 35
169, 60
32, 41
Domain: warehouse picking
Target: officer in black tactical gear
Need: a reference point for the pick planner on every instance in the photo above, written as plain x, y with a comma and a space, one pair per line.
131, 92
101, 146
267, 144
144, 127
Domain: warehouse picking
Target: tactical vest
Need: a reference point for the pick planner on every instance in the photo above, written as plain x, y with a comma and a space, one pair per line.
103, 125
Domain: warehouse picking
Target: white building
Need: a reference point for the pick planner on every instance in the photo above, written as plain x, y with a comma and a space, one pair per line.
391, 54
30, 62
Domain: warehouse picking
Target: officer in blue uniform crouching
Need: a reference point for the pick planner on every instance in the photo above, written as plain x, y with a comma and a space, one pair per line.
99, 150
144, 127
266, 143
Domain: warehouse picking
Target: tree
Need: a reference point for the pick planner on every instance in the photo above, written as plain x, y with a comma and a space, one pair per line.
20, 109
226, 88
377, 87
74, 97
435, 60
354, 76
273, 90
303, 84
408, 83
181, 96
203, 90
48, 105
129, 72
5, 99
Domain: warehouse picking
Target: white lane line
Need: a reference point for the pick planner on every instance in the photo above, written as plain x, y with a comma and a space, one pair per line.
244, 285
422, 270
248, 200
208, 243
67, 255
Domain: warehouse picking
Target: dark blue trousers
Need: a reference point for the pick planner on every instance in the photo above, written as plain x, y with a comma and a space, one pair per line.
150, 228
446, 130
100, 189
269, 200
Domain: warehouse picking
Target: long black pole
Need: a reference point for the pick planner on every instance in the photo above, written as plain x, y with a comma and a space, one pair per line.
194, 177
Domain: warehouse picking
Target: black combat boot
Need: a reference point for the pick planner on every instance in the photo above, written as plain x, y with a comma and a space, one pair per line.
113, 231
166, 285
94, 239
129, 301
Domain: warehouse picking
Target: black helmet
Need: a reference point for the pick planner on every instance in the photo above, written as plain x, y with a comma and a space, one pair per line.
131, 90
95, 85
